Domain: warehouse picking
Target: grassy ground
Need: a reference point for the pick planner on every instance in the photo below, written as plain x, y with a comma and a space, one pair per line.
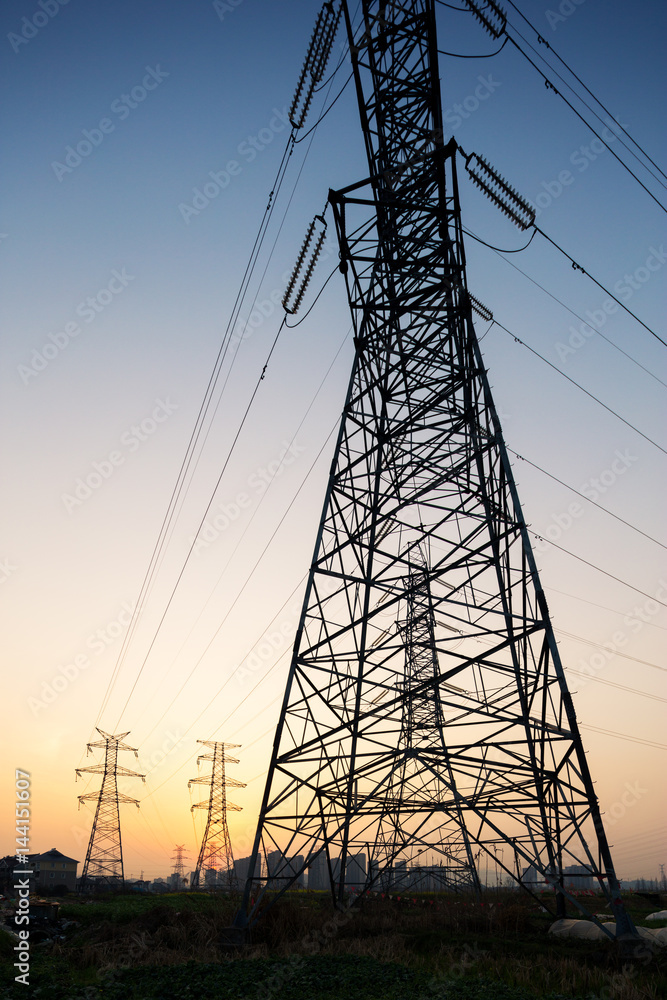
421, 948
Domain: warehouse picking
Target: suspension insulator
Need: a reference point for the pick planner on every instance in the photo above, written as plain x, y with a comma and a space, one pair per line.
502, 194
480, 309
315, 62
305, 264
490, 15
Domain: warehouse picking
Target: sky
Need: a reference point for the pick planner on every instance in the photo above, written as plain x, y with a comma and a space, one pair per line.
142, 142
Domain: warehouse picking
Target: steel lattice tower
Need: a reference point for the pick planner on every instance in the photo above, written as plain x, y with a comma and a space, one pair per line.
104, 857
422, 732
216, 847
463, 735
179, 863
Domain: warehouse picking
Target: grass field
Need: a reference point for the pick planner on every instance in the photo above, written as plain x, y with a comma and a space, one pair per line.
407, 948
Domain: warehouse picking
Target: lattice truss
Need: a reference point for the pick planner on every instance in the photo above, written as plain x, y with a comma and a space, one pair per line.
215, 853
104, 856
427, 719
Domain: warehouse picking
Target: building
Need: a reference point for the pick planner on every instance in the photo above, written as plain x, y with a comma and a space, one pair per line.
242, 870
138, 885
176, 882
578, 877
318, 873
278, 868
399, 878
426, 878
355, 872
531, 879
52, 870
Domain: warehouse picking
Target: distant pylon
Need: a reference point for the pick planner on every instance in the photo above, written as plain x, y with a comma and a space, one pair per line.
216, 847
179, 862
422, 734
104, 857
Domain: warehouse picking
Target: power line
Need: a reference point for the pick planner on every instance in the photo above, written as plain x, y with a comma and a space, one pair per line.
577, 267
581, 388
325, 112
588, 499
560, 302
581, 118
589, 108
657, 832
245, 584
604, 607
598, 568
615, 652
199, 423
621, 687
303, 419
543, 41
484, 55
624, 736
250, 267
204, 516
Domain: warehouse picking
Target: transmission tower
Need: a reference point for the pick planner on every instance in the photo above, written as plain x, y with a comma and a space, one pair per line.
422, 733
456, 729
179, 863
104, 857
216, 847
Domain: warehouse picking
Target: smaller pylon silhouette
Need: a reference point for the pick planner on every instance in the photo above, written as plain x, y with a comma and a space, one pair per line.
215, 852
104, 857
179, 864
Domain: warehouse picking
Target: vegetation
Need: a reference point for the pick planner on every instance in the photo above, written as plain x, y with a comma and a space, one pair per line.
421, 948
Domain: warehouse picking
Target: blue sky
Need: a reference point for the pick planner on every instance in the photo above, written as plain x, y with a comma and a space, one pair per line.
119, 387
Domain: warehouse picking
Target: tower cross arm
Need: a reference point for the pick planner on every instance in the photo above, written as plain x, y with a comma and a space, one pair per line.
109, 738
212, 756
124, 772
